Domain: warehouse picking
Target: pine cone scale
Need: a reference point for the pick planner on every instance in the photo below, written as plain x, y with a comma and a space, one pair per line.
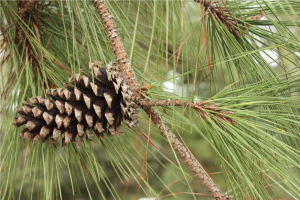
102, 76
99, 107
46, 130
49, 118
81, 127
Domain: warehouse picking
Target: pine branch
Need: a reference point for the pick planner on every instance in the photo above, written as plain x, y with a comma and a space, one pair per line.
126, 69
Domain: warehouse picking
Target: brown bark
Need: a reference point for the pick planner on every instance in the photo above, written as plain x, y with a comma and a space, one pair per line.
117, 46
126, 69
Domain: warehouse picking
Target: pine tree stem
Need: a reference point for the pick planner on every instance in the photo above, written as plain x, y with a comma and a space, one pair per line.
125, 67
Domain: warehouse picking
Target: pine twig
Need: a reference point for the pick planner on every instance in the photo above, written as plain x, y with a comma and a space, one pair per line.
218, 10
126, 69
198, 106
176, 102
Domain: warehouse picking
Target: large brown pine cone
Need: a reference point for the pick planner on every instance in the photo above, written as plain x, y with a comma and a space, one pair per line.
96, 103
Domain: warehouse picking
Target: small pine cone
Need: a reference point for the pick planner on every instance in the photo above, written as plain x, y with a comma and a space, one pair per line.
27, 8
85, 105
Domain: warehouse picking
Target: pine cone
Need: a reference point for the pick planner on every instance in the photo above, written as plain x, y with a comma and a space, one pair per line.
88, 104
27, 8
